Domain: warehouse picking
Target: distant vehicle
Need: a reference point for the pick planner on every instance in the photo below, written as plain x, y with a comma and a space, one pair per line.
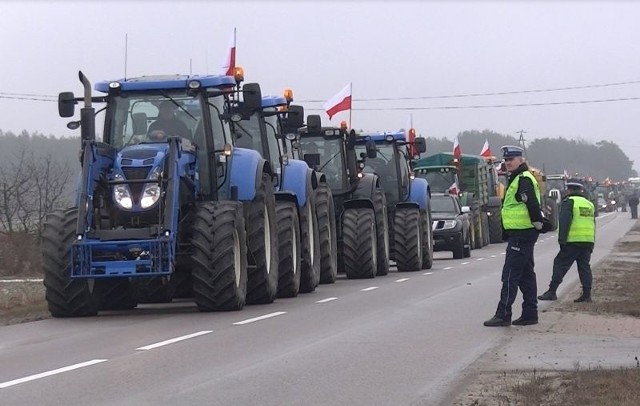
606, 205
451, 225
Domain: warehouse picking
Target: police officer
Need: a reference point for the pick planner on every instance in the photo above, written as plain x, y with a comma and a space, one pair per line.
576, 235
522, 221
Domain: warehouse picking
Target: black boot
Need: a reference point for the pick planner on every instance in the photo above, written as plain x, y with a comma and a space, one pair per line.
585, 296
548, 295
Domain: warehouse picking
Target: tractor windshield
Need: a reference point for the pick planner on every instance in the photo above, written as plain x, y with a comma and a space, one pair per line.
385, 165
327, 156
136, 118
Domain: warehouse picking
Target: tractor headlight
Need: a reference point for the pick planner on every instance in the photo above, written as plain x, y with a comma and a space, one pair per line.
151, 192
121, 194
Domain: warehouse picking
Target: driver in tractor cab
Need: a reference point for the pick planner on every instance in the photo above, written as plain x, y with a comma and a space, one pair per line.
167, 124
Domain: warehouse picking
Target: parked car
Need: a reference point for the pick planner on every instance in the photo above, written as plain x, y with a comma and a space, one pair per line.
451, 224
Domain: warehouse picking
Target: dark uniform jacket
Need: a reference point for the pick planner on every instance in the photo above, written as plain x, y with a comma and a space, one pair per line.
564, 222
525, 193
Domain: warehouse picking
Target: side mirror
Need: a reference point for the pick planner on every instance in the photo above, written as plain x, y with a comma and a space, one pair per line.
466, 209
295, 117
351, 140
421, 145
371, 149
314, 123
252, 96
66, 104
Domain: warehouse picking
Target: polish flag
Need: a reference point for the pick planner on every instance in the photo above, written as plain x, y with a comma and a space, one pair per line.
486, 150
230, 58
339, 102
457, 152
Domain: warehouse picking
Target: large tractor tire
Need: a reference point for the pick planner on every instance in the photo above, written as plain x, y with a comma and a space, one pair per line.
117, 293
326, 218
310, 239
289, 249
219, 256
466, 251
427, 239
458, 249
552, 212
382, 232
495, 226
155, 289
407, 232
477, 229
359, 243
262, 244
66, 297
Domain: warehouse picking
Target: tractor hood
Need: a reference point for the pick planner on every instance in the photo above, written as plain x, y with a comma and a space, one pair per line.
133, 160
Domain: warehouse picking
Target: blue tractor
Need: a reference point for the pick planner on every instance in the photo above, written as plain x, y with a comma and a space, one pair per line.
294, 183
359, 222
158, 203
407, 197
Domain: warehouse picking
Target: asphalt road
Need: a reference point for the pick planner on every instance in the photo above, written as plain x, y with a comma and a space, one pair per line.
402, 339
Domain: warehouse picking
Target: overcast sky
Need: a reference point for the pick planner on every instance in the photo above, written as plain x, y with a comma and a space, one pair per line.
387, 49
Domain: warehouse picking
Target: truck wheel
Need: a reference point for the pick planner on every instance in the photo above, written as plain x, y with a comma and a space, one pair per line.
458, 250
262, 244
495, 226
326, 217
427, 239
155, 289
289, 249
310, 239
117, 293
66, 297
219, 256
359, 243
477, 229
382, 231
407, 231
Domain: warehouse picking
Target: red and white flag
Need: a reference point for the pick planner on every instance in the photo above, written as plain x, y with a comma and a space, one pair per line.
339, 102
230, 58
457, 152
486, 150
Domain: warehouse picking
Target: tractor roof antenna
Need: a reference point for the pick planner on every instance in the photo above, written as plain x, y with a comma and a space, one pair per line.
521, 141
126, 47
190, 67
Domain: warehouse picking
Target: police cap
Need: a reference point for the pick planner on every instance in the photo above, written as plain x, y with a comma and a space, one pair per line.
574, 184
510, 151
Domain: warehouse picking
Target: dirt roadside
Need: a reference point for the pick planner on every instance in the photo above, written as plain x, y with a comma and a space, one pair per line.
575, 339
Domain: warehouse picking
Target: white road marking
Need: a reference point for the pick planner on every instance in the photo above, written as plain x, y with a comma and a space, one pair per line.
173, 340
329, 299
431, 273
479, 259
20, 280
369, 289
503, 253
464, 263
493, 256
49, 373
266, 316
401, 280
447, 268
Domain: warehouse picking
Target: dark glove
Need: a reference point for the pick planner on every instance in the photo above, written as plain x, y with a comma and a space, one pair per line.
544, 226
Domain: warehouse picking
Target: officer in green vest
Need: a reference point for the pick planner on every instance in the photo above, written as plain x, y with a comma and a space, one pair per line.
576, 235
522, 221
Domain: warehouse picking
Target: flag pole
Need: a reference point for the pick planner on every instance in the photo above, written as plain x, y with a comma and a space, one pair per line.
351, 106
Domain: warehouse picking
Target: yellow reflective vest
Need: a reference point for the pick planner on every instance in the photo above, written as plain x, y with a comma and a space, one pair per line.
583, 225
515, 215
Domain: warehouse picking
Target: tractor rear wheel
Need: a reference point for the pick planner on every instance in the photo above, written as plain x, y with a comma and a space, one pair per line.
66, 297
326, 213
495, 226
359, 243
407, 231
289, 249
219, 256
427, 235
310, 239
262, 243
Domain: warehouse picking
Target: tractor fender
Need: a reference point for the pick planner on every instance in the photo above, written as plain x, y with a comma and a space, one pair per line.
419, 193
284, 196
366, 187
247, 167
298, 179
358, 204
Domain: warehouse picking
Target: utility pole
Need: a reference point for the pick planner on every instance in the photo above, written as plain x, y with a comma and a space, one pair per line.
521, 141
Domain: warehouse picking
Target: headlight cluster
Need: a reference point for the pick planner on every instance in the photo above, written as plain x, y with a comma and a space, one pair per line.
449, 224
121, 194
151, 192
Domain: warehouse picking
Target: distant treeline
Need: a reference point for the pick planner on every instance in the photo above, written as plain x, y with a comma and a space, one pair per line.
601, 160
